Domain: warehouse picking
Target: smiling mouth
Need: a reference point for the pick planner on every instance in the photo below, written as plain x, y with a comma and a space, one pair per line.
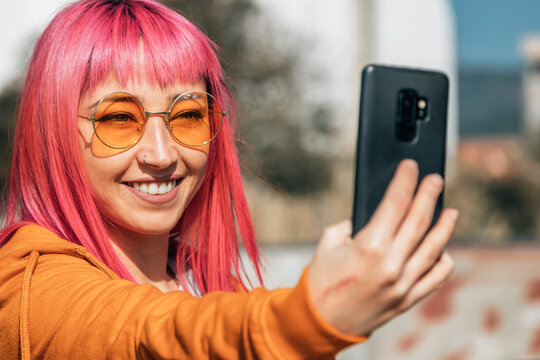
154, 187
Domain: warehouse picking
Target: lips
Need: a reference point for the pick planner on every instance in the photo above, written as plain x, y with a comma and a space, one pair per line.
154, 187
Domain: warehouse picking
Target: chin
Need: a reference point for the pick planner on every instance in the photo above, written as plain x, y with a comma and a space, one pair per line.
153, 228
148, 227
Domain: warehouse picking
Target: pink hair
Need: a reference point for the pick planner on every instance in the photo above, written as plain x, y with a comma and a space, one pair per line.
85, 43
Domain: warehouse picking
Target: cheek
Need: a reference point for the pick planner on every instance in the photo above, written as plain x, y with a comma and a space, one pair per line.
98, 169
200, 163
101, 173
101, 179
197, 163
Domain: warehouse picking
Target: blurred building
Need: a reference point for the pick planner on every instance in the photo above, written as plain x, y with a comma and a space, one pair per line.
530, 49
343, 38
490, 308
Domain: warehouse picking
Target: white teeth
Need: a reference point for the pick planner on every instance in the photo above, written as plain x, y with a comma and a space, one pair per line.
154, 188
162, 189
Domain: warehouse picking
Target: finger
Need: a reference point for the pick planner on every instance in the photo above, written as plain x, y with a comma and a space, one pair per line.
420, 216
430, 282
336, 234
396, 200
431, 248
408, 297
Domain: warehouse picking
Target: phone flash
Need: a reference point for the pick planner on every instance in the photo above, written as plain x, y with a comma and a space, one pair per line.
421, 104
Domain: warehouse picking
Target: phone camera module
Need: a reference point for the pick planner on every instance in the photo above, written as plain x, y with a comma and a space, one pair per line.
411, 108
407, 114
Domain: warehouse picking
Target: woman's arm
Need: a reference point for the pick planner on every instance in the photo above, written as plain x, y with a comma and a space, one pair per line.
77, 310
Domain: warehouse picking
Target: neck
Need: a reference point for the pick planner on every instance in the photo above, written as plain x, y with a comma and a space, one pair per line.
144, 256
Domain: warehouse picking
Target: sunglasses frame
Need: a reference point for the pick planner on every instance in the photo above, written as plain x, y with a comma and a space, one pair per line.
148, 113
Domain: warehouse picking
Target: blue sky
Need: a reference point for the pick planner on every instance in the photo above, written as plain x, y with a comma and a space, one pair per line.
489, 31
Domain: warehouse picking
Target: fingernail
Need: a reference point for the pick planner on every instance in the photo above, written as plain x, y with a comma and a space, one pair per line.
436, 180
452, 214
409, 164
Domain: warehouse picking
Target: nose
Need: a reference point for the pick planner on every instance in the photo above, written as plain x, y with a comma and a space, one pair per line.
156, 147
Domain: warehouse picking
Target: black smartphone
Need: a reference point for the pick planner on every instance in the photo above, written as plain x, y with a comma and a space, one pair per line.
402, 116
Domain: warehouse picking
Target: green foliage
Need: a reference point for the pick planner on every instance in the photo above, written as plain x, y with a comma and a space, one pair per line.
283, 134
8, 103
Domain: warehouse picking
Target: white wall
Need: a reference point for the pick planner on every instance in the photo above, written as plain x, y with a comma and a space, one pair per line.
333, 46
420, 33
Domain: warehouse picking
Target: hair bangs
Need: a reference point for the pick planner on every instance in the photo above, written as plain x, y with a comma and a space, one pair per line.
138, 42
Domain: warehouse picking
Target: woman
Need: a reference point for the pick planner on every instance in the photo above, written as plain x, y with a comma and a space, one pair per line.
125, 186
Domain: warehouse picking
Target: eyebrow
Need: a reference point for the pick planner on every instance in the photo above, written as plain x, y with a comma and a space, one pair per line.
173, 97
120, 98
177, 95
141, 99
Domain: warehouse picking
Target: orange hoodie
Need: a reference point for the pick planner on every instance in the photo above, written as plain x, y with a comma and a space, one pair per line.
59, 302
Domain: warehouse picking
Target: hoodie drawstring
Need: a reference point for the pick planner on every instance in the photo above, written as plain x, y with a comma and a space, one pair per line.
23, 313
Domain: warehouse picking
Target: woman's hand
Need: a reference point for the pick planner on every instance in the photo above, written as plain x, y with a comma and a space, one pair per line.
359, 283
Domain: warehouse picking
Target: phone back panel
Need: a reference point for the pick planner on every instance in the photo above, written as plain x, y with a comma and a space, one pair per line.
379, 150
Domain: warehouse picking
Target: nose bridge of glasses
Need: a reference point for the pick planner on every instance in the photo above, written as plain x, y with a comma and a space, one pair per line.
164, 115
154, 132
157, 113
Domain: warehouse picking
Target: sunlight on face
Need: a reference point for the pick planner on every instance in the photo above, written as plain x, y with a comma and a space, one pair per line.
145, 189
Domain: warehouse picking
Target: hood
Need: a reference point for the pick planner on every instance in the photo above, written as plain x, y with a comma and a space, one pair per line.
18, 260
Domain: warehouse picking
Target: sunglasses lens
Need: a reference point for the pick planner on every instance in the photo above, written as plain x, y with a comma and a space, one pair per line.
119, 120
195, 119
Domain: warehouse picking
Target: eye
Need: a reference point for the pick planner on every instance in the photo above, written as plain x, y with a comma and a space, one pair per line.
117, 118
192, 115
